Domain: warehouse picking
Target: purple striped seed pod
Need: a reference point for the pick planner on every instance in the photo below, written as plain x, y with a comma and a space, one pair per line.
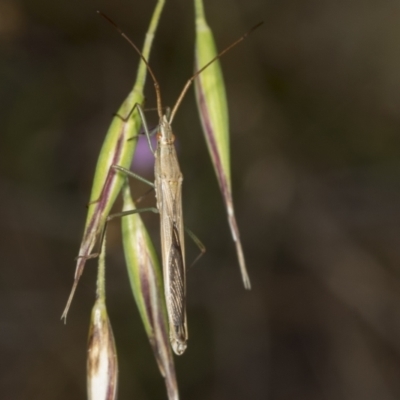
102, 366
213, 110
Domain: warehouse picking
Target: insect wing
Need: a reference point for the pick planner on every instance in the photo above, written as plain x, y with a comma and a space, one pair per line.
177, 295
168, 183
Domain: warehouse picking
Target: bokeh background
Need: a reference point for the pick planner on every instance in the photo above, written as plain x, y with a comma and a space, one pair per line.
315, 113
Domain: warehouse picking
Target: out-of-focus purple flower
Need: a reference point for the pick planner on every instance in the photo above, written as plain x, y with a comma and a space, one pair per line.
143, 161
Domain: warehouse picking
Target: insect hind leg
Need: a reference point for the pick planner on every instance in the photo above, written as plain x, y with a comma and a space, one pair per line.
198, 243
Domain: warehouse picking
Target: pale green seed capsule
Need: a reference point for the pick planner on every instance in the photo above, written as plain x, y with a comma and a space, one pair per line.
118, 149
146, 283
211, 98
213, 110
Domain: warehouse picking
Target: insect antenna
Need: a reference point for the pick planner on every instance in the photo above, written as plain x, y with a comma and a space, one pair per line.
190, 80
153, 77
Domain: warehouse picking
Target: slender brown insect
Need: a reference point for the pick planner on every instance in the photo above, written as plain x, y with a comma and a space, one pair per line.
168, 188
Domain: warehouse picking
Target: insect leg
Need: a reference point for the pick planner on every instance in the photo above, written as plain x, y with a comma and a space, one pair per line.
198, 243
132, 175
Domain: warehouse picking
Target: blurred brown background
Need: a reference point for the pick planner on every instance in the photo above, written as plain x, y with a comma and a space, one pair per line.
314, 101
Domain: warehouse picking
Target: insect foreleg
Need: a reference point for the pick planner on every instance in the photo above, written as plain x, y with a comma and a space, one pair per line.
132, 175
